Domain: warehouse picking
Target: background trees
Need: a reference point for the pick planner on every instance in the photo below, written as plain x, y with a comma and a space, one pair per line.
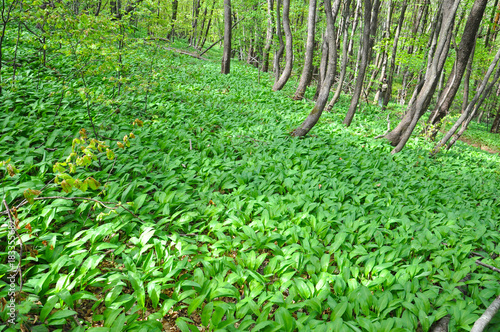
426, 55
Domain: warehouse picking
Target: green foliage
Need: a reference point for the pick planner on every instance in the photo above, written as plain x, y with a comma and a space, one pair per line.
241, 226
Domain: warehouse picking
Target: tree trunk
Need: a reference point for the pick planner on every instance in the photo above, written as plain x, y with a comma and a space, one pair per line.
208, 27
281, 49
381, 64
226, 53
343, 64
315, 114
392, 63
472, 108
488, 33
463, 53
322, 65
175, 5
400, 135
305, 78
496, 123
370, 21
289, 48
269, 36
468, 72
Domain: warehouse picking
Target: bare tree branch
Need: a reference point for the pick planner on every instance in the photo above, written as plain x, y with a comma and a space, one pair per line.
488, 266
490, 312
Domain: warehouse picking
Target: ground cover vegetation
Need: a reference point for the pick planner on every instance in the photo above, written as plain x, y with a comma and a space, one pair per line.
145, 191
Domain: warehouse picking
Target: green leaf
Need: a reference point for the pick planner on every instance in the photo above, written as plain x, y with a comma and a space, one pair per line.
207, 313
195, 304
285, 319
62, 314
138, 286
48, 306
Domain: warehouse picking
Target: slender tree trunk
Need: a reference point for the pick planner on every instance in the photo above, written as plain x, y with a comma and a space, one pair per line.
468, 72
289, 48
323, 64
207, 28
417, 30
281, 49
392, 63
496, 123
226, 54
175, 5
305, 78
198, 37
269, 36
381, 64
463, 53
488, 33
472, 108
345, 46
369, 30
400, 135
315, 114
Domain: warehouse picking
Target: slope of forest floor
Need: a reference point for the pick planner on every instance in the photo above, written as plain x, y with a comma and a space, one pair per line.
202, 213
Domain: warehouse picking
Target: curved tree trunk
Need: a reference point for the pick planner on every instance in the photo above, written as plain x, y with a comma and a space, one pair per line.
392, 63
463, 53
370, 21
226, 55
289, 48
305, 78
400, 135
279, 53
472, 108
269, 36
345, 46
315, 114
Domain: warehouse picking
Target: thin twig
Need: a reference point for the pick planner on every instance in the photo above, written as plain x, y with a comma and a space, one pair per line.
488, 266
486, 317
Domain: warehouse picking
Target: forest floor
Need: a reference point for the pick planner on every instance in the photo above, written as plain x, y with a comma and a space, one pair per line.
479, 145
179, 198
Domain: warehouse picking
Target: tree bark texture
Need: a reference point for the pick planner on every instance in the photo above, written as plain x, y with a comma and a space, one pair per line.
305, 78
289, 48
319, 106
370, 22
226, 54
269, 36
463, 54
392, 62
441, 43
281, 49
472, 108
345, 48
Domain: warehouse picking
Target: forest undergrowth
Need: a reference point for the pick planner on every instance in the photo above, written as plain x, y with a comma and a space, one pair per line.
194, 207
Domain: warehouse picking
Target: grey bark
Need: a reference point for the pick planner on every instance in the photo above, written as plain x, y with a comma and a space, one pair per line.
281, 49
487, 316
345, 48
289, 48
441, 43
392, 62
464, 51
269, 36
316, 112
370, 21
472, 107
226, 55
305, 78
